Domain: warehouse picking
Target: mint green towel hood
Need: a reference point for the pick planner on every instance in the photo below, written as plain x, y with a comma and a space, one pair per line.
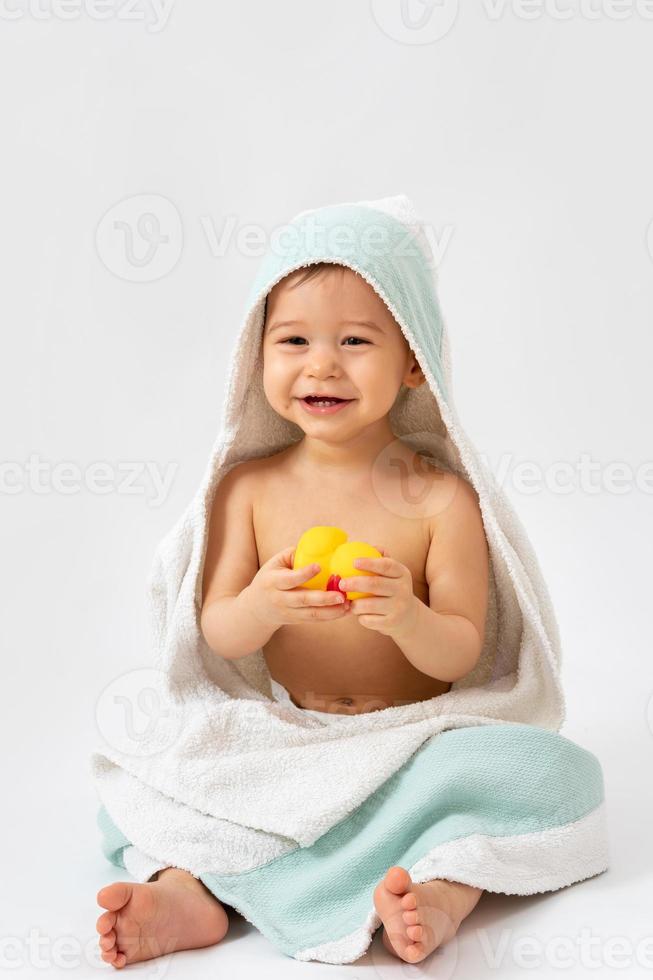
382, 250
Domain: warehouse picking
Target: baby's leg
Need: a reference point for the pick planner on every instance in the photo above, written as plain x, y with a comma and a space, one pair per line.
174, 911
419, 918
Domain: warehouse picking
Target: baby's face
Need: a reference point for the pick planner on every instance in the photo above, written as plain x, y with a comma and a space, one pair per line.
333, 335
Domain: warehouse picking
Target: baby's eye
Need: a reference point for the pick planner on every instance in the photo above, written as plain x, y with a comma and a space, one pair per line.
289, 339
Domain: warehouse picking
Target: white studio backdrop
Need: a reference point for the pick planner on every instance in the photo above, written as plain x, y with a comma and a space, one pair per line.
149, 152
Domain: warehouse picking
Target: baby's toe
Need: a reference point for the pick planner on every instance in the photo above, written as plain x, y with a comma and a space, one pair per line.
409, 902
106, 922
397, 880
115, 895
415, 933
108, 941
411, 918
414, 952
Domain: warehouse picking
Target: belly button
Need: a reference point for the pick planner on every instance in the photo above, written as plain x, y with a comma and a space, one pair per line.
347, 701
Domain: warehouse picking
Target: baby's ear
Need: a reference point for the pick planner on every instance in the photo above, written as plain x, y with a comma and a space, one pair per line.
414, 376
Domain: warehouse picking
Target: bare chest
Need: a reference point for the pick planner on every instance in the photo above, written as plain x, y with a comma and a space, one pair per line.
341, 665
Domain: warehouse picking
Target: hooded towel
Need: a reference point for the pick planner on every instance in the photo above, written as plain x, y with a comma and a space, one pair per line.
255, 796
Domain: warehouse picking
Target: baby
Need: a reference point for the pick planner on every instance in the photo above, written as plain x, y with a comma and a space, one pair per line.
327, 333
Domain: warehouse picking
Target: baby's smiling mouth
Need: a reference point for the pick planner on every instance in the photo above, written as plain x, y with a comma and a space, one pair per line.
324, 400
321, 399
321, 407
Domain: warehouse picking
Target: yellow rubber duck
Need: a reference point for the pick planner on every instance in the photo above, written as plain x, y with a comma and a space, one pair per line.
329, 547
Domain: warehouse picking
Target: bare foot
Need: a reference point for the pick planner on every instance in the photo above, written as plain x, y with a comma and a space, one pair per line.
419, 918
176, 911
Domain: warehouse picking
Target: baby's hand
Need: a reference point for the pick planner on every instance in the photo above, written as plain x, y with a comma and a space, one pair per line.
277, 599
390, 609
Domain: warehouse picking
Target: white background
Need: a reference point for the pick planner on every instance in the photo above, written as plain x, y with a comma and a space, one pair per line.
523, 137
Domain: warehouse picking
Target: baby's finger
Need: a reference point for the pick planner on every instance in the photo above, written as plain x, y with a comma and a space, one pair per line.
292, 576
366, 583
384, 566
314, 597
317, 614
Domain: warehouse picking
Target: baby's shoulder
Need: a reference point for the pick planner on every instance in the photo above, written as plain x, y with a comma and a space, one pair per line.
245, 468
248, 475
431, 470
451, 496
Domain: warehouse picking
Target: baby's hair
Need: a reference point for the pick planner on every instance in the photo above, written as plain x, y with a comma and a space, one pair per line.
309, 272
316, 269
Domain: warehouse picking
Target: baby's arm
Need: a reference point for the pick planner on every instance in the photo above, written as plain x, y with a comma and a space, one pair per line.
447, 636
230, 564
